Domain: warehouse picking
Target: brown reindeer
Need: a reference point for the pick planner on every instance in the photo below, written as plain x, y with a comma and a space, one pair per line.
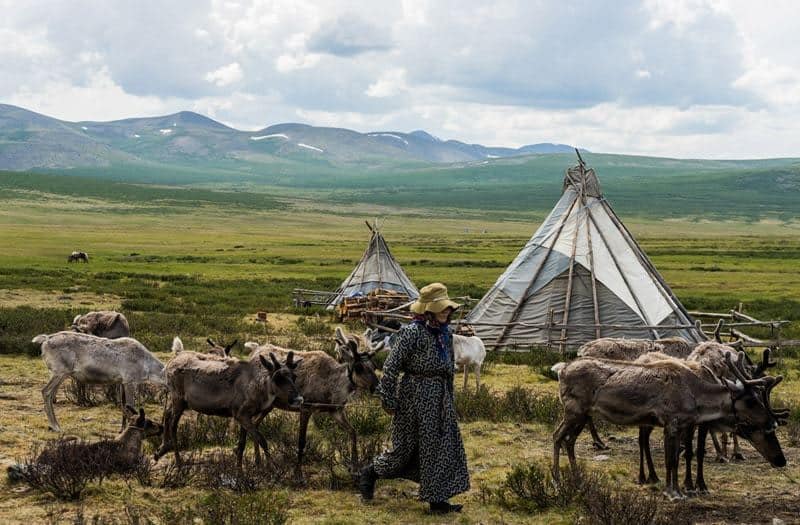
666, 394
242, 390
630, 350
326, 386
104, 323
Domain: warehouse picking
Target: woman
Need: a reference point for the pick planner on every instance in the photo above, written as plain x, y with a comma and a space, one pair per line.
426, 442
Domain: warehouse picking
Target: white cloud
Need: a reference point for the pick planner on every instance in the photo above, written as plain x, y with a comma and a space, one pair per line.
667, 77
226, 75
390, 83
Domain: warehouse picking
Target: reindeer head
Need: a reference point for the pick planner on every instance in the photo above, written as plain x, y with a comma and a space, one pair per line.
219, 350
282, 378
149, 427
360, 365
755, 419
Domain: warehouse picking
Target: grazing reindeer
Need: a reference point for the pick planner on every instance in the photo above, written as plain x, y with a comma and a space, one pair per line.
242, 390
104, 323
630, 350
215, 350
326, 386
667, 394
713, 355
96, 360
78, 256
122, 453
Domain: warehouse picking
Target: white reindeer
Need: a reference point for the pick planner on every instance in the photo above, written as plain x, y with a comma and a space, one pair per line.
96, 360
469, 352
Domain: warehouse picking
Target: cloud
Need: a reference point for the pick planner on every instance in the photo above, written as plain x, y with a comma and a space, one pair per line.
226, 75
390, 83
350, 35
689, 77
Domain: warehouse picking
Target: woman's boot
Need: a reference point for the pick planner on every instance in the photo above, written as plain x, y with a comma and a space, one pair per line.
444, 507
366, 482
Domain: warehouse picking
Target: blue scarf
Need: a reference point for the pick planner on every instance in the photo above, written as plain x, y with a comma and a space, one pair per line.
441, 331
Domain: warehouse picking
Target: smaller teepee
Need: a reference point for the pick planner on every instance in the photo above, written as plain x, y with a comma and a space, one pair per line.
377, 270
582, 276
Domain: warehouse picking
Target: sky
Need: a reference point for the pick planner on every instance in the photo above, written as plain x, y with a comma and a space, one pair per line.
675, 78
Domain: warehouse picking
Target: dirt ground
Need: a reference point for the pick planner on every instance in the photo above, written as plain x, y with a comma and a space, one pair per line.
748, 492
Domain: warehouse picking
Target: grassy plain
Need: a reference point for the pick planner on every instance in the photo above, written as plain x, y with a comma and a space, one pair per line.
186, 264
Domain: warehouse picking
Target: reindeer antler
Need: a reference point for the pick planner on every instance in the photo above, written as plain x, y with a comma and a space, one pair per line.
765, 362
289, 359
737, 371
275, 361
211, 342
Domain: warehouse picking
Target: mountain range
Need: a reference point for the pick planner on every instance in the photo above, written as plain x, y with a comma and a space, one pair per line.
30, 140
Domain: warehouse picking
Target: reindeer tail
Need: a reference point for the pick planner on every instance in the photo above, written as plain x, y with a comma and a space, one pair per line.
39, 339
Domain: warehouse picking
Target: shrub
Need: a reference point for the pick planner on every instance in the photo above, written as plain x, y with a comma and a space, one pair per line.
531, 488
63, 467
220, 471
518, 404
602, 504
312, 326
267, 507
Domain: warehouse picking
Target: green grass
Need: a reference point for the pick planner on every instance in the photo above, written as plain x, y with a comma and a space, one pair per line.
192, 264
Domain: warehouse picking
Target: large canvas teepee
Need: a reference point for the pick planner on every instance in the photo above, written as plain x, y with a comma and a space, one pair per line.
377, 270
581, 276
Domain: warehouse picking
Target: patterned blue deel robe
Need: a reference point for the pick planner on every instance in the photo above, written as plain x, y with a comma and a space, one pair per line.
426, 442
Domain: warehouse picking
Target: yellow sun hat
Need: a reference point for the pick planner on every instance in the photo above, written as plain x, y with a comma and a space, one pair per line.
433, 298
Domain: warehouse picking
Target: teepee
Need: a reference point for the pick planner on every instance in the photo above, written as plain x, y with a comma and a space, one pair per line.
377, 270
582, 276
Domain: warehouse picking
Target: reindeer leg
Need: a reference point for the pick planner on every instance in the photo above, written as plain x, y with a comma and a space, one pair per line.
688, 482
652, 477
558, 437
166, 439
597, 443
256, 446
49, 394
570, 442
478, 375
305, 416
702, 431
737, 452
720, 452
242, 443
341, 418
128, 397
177, 412
252, 429
466, 370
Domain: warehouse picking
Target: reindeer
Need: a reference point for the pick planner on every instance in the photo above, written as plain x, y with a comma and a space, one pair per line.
96, 360
104, 323
326, 386
215, 350
242, 390
78, 256
629, 350
122, 453
667, 394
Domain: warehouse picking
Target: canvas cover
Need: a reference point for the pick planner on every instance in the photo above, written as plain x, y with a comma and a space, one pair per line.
582, 268
377, 269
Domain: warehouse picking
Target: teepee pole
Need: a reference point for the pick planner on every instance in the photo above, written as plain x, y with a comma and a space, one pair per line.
664, 289
624, 278
597, 329
563, 342
521, 301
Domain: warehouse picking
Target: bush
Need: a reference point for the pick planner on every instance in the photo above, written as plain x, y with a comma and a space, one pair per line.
63, 467
531, 488
207, 431
518, 405
312, 326
268, 508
